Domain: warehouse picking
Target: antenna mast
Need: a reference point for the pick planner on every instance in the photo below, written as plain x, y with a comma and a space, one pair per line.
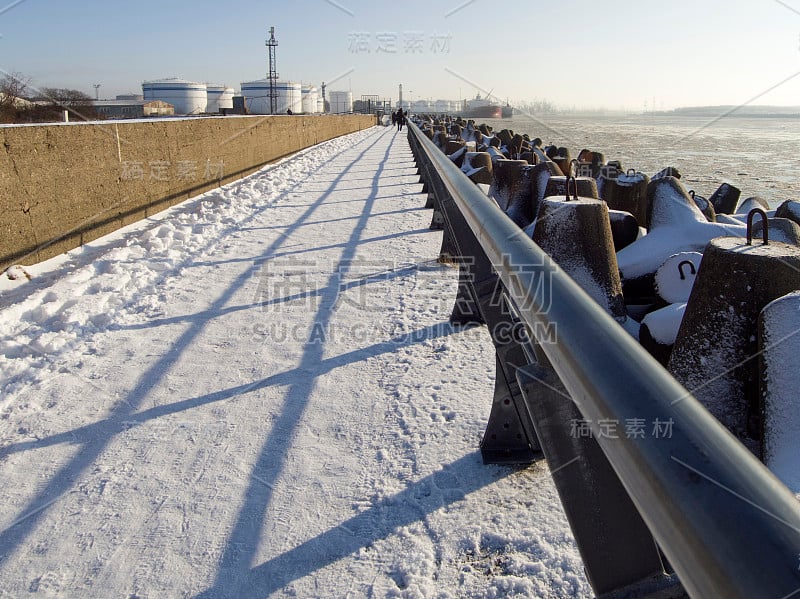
272, 43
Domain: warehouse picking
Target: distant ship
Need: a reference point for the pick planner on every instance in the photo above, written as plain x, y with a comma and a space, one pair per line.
482, 108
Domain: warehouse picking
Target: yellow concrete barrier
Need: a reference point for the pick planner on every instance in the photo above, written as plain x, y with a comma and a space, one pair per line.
64, 185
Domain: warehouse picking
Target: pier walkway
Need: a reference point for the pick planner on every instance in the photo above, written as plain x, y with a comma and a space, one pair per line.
257, 393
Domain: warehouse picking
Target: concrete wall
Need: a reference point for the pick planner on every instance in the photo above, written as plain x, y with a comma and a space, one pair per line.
64, 185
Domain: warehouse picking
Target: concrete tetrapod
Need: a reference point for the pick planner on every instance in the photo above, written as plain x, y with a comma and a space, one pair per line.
577, 235
725, 199
557, 186
676, 225
780, 229
478, 167
506, 181
524, 202
751, 204
714, 352
628, 193
789, 209
674, 281
624, 228
779, 344
705, 206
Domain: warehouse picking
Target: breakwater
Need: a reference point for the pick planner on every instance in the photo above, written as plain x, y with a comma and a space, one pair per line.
64, 185
640, 461
640, 252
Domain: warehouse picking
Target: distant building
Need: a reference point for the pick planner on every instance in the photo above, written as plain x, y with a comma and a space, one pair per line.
129, 97
240, 105
131, 109
372, 105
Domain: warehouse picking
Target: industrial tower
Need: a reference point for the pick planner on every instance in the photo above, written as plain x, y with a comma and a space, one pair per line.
272, 43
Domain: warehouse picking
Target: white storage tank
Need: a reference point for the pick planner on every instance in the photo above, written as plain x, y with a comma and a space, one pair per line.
188, 97
309, 99
442, 106
320, 105
257, 96
219, 97
341, 102
421, 106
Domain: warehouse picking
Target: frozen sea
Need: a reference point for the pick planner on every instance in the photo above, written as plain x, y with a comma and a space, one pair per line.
760, 156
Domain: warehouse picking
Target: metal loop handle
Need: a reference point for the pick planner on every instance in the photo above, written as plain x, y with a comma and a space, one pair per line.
765, 228
691, 193
631, 172
692, 268
574, 182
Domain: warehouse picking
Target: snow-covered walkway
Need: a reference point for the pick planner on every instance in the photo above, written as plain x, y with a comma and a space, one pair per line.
257, 393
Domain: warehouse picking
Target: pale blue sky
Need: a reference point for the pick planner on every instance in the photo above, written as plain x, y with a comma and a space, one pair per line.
575, 52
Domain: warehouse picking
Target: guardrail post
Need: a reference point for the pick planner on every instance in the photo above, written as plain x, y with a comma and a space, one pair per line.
448, 252
617, 548
510, 436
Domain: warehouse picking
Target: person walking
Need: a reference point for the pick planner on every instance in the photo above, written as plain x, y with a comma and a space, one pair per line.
401, 119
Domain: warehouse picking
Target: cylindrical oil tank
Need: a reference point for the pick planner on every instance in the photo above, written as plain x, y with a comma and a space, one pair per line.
341, 102
309, 96
188, 97
442, 106
257, 96
421, 106
219, 97
320, 105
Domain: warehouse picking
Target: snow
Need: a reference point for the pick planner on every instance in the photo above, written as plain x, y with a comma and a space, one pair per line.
664, 324
467, 167
675, 278
257, 393
751, 204
630, 180
462, 151
495, 153
645, 255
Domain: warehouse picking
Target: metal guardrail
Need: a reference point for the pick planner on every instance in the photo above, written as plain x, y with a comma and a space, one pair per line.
725, 524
